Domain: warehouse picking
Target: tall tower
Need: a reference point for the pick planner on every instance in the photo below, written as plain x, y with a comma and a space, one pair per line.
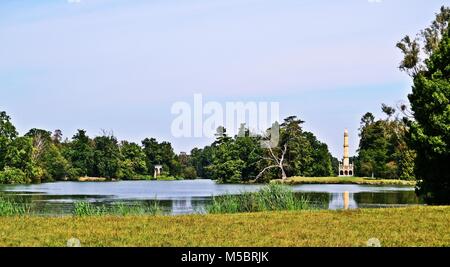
345, 168
346, 154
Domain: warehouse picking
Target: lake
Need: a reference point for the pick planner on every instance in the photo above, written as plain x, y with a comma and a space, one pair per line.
191, 196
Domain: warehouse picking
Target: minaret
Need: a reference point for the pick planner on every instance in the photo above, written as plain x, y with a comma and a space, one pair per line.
345, 168
346, 154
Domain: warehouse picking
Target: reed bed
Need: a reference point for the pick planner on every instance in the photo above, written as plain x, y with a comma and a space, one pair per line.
272, 197
83, 209
12, 208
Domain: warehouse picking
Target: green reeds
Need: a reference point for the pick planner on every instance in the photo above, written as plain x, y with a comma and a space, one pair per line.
11, 208
83, 209
272, 197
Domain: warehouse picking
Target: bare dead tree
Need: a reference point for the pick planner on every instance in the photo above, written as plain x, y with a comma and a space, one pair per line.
277, 162
39, 144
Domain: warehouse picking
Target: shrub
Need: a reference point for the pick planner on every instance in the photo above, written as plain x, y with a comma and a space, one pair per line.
40, 174
13, 176
189, 173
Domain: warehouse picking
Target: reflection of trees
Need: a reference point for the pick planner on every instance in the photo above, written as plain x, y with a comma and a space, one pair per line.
392, 198
336, 200
319, 200
52, 204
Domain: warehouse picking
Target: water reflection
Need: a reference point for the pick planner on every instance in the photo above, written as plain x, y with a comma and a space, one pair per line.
182, 204
337, 201
188, 205
186, 197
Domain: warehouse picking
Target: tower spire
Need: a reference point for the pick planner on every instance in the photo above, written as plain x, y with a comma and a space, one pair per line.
345, 168
346, 149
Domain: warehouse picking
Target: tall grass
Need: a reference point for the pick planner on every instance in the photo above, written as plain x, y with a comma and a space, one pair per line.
12, 208
83, 209
272, 197
88, 209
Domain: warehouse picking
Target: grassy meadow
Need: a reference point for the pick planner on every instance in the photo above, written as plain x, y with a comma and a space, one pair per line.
412, 226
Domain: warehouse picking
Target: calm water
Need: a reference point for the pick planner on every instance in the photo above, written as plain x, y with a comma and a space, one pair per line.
184, 197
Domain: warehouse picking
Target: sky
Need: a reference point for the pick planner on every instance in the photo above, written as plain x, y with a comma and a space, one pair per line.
120, 65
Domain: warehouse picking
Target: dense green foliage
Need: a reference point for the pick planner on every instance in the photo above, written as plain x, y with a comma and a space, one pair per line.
134, 160
383, 150
429, 131
40, 156
243, 157
13, 176
15, 153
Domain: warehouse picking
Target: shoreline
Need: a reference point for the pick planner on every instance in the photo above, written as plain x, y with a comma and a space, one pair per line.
103, 179
289, 181
343, 180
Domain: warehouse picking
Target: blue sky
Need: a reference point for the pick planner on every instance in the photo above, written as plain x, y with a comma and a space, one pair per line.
120, 64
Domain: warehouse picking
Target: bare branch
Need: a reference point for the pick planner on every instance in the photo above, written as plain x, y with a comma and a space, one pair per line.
264, 170
279, 163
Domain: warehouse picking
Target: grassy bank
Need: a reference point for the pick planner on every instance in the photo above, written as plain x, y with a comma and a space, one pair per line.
343, 180
92, 179
136, 178
414, 226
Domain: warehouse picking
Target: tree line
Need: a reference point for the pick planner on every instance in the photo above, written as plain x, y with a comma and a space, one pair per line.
42, 156
383, 148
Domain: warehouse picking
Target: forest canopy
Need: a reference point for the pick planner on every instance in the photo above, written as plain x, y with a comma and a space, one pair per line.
41, 156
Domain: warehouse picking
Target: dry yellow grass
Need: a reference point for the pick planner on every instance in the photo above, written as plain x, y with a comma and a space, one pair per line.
413, 226
92, 179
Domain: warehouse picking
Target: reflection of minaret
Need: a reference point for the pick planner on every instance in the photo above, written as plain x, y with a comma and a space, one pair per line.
338, 201
182, 206
345, 168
